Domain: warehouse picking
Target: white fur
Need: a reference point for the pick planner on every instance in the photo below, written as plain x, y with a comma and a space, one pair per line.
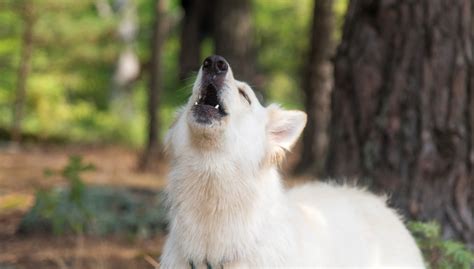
228, 206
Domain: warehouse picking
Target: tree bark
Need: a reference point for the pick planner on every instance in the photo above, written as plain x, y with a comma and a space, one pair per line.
27, 13
403, 116
233, 36
196, 24
153, 146
317, 85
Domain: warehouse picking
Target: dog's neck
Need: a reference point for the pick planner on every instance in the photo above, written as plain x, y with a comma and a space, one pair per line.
216, 184
215, 199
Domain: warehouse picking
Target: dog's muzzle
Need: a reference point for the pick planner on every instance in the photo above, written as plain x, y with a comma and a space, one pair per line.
209, 107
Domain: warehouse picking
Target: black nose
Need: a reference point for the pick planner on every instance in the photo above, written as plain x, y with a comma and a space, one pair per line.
216, 65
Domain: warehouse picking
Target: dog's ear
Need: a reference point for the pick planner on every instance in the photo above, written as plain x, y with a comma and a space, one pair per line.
283, 129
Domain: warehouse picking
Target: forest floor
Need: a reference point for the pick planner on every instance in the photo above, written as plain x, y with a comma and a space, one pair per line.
22, 174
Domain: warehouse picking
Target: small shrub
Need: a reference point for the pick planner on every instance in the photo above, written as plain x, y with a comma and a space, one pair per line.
439, 253
93, 210
64, 210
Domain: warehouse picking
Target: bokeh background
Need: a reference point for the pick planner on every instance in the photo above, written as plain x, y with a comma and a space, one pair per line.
88, 89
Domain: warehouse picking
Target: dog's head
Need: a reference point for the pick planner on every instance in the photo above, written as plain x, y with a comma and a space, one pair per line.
223, 115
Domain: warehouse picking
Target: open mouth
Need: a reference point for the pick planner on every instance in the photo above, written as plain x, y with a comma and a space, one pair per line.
208, 107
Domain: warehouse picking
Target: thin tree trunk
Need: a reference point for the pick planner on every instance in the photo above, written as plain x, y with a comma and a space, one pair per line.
233, 35
127, 68
23, 70
153, 147
194, 28
317, 85
403, 117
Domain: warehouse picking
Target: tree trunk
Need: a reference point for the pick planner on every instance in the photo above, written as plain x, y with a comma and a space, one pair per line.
233, 37
29, 19
153, 147
196, 24
127, 68
317, 85
403, 107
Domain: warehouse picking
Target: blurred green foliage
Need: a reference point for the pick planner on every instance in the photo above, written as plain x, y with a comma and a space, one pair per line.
82, 209
439, 253
76, 49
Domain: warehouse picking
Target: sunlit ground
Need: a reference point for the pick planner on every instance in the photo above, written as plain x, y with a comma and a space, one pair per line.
22, 173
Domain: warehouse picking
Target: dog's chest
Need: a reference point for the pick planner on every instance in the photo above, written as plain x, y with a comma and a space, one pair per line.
216, 225
223, 236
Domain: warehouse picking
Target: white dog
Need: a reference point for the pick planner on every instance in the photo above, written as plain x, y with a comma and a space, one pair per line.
228, 208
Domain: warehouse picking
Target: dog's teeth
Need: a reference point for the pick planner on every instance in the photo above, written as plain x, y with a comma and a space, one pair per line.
216, 107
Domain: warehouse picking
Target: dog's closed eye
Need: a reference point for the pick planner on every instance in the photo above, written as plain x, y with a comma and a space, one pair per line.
244, 95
